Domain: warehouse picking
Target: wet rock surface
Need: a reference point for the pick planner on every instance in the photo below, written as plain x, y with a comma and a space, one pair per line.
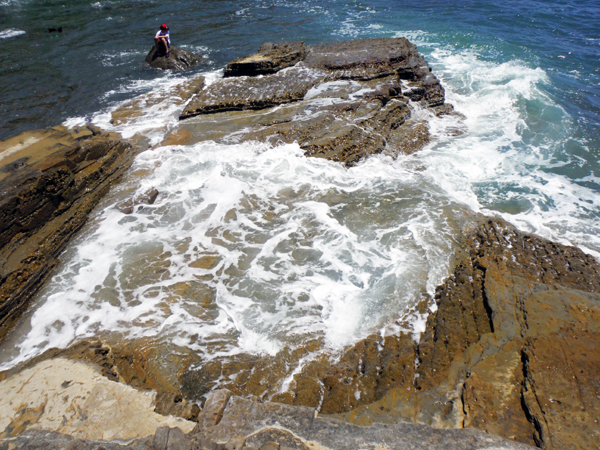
146, 198
513, 347
341, 101
50, 180
179, 59
137, 107
362, 375
512, 350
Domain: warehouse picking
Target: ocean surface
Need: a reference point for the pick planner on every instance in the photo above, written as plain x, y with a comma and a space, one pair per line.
250, 249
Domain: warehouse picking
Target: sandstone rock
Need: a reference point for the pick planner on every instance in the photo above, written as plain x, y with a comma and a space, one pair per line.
270, 58
512, 350
249, 425
344, 101
178, 59
247, 93
50, 180
135, 364
253, 425
513, 347
368, 59
146, 198
72, 398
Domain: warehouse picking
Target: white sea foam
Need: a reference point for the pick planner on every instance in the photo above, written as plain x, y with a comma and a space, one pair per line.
11, 32
303, 247
508, 161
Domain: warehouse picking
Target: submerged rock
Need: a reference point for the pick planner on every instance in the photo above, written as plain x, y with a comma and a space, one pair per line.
50, 180
178, 59
142, 105
146, 198
513, 349
341, 101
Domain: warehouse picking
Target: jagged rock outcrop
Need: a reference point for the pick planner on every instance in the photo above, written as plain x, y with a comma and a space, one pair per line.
341, 101
50, 180
179, 59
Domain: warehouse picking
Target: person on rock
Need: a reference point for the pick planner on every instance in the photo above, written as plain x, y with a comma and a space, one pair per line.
162, 41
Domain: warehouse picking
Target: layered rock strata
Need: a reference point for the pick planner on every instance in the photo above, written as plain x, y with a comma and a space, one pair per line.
512, 350
270, 58
514, 347
50, 180
341, 101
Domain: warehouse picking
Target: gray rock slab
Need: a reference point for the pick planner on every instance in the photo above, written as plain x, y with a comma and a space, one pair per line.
342, 102
271, 424
367, 59
50, 440
247, 93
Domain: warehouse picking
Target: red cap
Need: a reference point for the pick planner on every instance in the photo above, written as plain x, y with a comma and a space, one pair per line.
163, 27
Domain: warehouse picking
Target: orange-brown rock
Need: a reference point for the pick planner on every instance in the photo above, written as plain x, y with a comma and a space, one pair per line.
514, 347
50, 180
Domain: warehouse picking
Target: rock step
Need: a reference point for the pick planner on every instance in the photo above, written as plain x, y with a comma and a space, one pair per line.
243, 424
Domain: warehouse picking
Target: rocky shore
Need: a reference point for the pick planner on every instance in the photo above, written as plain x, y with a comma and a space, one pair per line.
50, 181
509, 359
341, 101
511, 351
